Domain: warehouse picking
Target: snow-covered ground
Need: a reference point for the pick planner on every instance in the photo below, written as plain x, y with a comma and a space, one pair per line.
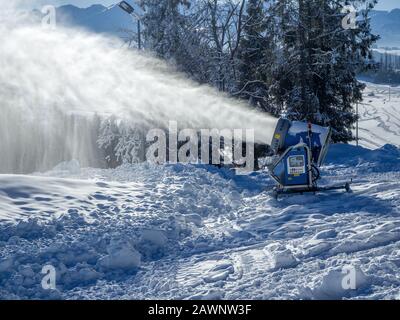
380, 116
198, 232
391, 52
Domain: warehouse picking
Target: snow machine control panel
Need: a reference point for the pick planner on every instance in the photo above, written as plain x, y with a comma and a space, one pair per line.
296, 165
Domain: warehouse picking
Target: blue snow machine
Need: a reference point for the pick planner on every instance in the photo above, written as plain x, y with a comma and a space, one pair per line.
299, 150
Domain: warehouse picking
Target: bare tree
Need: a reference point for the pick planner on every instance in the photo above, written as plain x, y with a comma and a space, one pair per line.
222, 25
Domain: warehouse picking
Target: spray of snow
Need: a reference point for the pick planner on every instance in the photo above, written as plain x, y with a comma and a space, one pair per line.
55, 84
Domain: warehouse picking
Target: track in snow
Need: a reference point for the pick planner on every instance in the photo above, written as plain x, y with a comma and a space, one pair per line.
380, 116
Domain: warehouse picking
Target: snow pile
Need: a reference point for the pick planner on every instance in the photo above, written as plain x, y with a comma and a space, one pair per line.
334, 286
153, 243
121, 256
281, 257
94, 229
67, 168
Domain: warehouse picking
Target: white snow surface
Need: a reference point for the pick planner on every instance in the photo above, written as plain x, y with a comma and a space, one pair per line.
199, 232
380, 116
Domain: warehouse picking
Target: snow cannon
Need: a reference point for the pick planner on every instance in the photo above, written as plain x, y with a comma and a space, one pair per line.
299, 151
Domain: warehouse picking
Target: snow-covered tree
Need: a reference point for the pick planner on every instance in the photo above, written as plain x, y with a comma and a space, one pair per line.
222, 27
256, 54
164, 23
122, 141
316, 77
288, 57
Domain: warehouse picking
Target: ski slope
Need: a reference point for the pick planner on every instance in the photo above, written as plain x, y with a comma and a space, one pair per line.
380, 116
197, 232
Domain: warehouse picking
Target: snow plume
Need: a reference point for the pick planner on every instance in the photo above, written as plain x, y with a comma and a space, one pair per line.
57, 85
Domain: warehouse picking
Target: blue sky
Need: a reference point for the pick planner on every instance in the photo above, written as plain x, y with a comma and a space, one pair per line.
383, 4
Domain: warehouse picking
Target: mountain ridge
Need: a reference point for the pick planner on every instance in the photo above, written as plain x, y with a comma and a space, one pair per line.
112, 20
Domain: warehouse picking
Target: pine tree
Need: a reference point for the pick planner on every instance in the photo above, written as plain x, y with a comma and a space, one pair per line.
316, 79
255, 56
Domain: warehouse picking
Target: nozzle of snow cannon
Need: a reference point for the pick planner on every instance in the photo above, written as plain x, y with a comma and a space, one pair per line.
279, 137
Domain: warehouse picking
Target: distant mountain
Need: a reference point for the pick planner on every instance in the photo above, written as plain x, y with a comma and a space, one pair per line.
100, 19
387, 25
95, 18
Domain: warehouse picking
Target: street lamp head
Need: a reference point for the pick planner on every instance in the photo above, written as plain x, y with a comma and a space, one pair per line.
126, 7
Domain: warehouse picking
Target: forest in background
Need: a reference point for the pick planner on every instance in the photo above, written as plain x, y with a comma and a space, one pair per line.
284, 57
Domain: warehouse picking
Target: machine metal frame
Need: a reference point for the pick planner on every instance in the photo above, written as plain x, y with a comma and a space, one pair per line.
291, 137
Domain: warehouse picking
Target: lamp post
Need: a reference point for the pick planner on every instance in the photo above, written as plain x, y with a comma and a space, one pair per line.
131, 11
